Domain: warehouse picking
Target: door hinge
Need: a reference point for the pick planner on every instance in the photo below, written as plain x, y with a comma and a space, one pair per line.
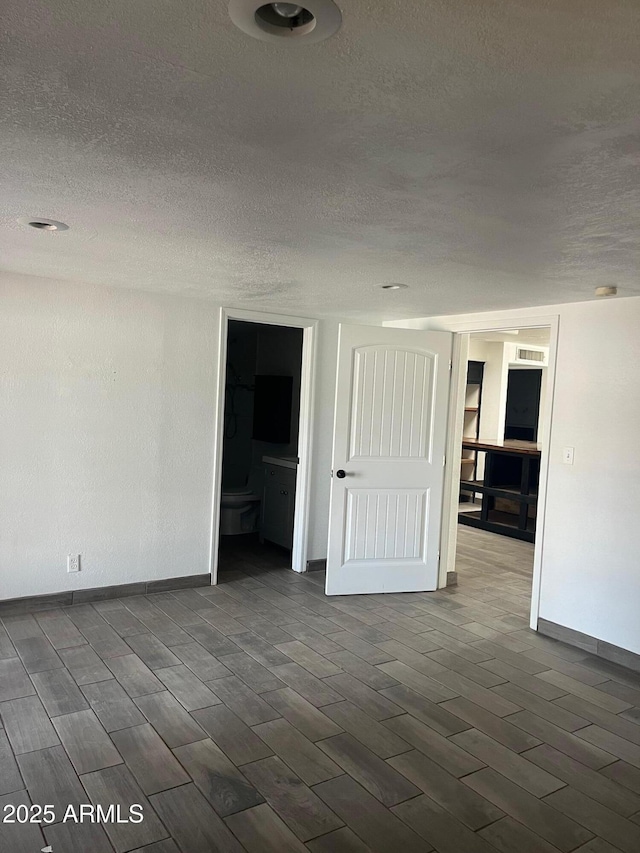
450, 364
444, 461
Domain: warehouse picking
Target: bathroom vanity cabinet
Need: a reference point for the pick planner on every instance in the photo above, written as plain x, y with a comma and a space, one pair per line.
278, 501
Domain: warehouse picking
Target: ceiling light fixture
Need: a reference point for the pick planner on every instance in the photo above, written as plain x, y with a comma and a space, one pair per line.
44, 226
394, 286
314, 21
41, 224
607, 290
287, 10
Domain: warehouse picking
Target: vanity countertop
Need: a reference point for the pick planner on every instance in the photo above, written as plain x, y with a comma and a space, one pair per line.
283, 461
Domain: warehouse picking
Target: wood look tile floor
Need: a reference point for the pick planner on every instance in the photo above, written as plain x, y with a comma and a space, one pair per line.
260, 716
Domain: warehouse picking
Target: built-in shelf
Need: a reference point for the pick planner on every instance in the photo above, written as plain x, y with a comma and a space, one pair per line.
471, 425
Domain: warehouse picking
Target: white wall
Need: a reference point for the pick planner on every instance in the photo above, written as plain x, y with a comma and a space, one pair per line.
591, 576
590, 579
106, 435
106, 423
494, 385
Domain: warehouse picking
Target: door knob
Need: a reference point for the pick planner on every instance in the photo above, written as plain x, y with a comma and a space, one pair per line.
340, 474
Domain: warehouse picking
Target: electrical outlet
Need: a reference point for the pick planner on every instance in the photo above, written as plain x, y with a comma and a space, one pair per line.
567, 455
73, 562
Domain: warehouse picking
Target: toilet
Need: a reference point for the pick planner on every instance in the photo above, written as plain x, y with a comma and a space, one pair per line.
239, 510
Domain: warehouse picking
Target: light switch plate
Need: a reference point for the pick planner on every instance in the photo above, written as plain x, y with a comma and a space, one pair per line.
567, 455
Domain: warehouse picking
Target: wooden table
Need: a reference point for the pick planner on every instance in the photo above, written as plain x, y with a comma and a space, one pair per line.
512, 469
506, 445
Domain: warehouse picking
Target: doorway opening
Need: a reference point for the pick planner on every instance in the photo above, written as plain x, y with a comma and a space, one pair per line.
259, 512
504, 404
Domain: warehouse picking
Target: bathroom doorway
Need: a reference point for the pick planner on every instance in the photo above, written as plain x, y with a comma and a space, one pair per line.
260, 497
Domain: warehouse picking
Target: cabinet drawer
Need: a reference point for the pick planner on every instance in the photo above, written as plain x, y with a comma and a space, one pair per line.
286, 476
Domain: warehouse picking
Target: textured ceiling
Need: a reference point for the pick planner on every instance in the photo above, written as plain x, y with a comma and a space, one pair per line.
485, 152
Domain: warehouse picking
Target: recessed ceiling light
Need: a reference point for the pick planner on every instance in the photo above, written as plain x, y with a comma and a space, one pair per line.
394, 286
42, 224
607, 290
311, 21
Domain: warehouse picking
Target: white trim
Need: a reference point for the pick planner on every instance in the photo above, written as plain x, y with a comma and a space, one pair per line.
218, 446
463, 328
307, 383
547, 426
459, 355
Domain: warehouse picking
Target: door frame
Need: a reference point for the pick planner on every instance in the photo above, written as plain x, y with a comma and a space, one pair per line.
462, 328
305, 429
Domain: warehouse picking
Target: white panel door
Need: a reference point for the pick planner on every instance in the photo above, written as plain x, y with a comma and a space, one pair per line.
388, 460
